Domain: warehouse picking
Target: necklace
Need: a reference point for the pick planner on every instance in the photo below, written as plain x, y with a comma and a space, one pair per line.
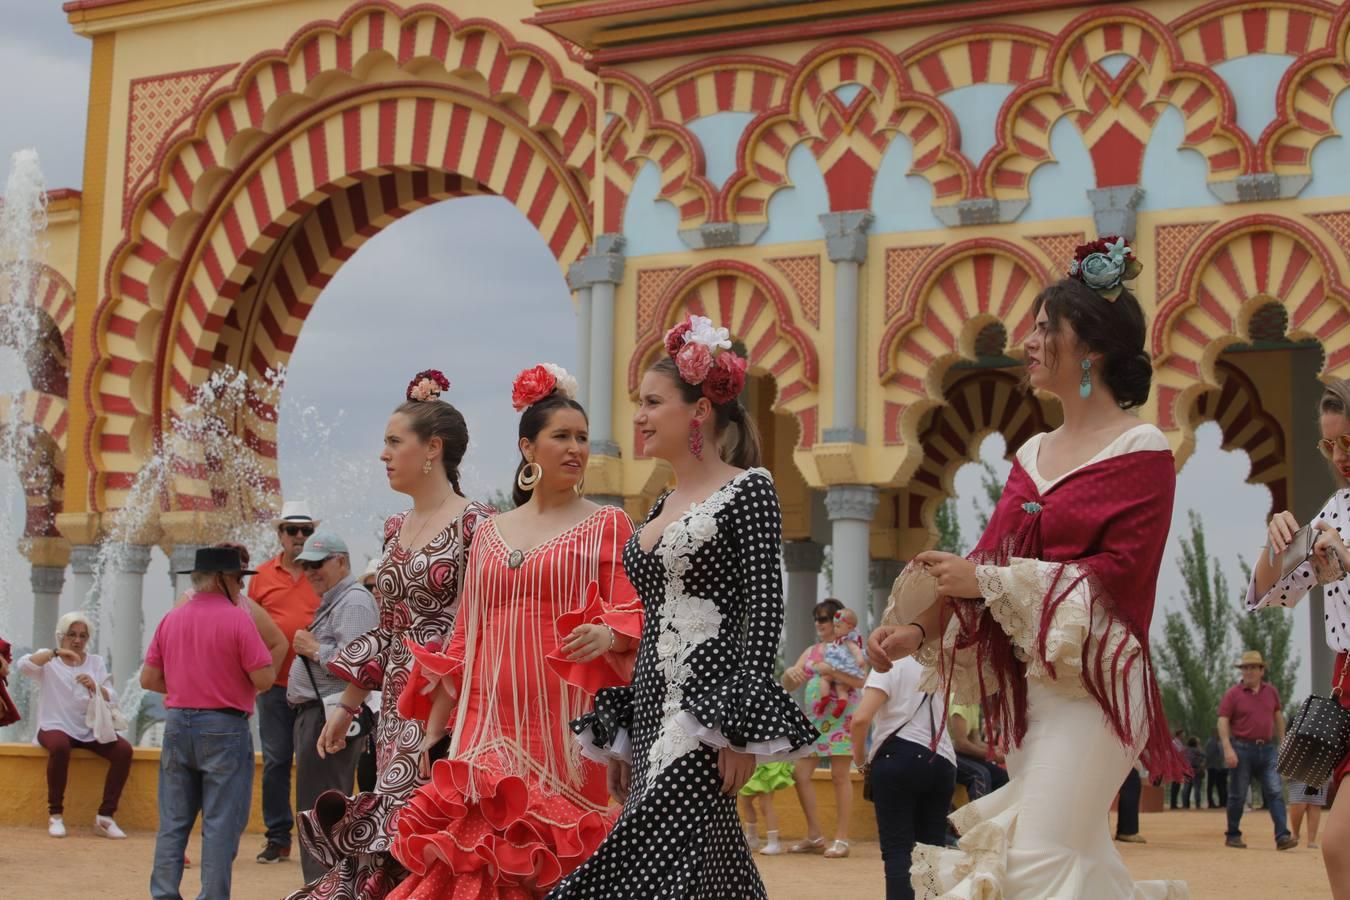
413, 545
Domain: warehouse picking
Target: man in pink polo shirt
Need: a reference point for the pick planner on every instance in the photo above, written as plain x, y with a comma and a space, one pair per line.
1251, 727
209, 660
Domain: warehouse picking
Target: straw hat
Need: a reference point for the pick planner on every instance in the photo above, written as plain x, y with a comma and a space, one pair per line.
1251, 658
296, 511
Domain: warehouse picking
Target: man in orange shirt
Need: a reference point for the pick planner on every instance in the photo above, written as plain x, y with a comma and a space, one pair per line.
281, 589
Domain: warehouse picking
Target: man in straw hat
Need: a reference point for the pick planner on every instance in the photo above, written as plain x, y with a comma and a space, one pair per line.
209, 661
1251, 726
280, 588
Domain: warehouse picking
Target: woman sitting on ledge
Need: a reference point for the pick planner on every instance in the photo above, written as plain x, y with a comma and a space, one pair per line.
68, 677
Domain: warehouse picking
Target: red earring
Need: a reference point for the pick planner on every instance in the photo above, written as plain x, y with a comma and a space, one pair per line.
695, 439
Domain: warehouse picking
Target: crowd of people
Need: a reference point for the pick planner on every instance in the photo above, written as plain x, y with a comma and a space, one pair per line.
553, 701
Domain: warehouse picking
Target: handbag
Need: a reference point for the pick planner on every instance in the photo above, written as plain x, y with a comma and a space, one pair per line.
360, 724
867, 766
105, 719
1318, 738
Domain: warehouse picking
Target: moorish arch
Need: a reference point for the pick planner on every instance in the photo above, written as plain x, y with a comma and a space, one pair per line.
34, 423
935, 322
1246, 425
752, 305
1305, 102
1234, 271
53, 302
380, 91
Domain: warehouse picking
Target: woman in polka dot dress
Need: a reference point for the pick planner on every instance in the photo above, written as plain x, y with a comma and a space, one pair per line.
1269, 589
704, 705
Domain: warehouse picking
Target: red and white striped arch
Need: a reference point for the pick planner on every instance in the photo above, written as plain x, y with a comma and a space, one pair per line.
41, 418
296, 127
1305, 102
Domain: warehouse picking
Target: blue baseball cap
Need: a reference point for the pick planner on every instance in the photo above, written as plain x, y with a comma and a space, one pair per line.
320, 545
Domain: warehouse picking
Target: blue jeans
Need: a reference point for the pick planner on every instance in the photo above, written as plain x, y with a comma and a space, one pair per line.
1256, 761
206, 766
276, 730
911, 792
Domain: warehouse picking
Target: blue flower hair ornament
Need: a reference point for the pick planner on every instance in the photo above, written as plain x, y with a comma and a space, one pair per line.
1105, 264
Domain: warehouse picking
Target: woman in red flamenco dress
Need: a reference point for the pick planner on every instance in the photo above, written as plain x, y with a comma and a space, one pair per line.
547, 618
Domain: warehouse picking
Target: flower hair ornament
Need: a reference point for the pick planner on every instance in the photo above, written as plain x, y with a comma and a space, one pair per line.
1103, 264
703, 356
427, 385
538, 382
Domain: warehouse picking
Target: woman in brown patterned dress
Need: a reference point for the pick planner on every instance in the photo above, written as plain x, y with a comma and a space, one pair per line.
418, 580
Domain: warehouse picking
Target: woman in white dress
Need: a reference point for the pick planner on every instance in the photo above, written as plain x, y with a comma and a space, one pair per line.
1046, 623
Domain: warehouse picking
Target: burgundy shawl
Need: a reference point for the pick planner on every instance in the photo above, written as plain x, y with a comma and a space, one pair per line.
1110, 520
9, 713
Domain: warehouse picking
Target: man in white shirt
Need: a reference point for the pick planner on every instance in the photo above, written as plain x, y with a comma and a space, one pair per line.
911, 785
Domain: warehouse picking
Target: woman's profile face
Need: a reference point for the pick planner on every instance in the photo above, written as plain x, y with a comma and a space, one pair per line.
405, 454
662, 417
1333, 425
1053, 356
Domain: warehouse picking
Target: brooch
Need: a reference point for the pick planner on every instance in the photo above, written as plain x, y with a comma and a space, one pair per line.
1031, 508
515, 559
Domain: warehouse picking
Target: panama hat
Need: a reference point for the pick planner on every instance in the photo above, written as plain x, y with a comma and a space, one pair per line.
217, 559
295, 511
1251, 658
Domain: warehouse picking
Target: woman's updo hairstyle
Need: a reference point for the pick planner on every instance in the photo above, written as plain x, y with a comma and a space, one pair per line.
703, 362
429, 416
1106, 317
536, 394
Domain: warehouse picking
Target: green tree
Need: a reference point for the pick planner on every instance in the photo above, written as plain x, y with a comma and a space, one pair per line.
992, 488
1194, 660
500, 500
1271, 631
949, 528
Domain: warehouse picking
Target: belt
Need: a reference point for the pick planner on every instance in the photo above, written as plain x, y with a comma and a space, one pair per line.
227, 710
1250, 741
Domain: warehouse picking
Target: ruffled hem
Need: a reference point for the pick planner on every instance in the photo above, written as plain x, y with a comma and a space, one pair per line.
349, 836
609, 721
752, 714
620, 747
480, 834
432, 670
769, 777
609, 669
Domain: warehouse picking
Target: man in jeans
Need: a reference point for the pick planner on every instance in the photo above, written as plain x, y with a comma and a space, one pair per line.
280, 588
346, 611
209, 660
1251, 727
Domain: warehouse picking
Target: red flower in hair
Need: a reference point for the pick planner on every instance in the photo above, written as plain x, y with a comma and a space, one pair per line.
531, 386
428, 384
726, 378
675, 337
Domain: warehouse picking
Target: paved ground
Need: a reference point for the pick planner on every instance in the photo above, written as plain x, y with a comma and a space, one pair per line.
1181, 845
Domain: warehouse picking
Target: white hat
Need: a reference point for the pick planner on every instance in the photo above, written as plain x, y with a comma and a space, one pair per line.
295, 511
372, 569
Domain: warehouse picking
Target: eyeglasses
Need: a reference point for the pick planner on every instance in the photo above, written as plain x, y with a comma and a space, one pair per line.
310, 565
76, 635
1328, 445
293, 530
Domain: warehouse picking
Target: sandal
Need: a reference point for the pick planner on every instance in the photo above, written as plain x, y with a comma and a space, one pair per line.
808, 845
838, 850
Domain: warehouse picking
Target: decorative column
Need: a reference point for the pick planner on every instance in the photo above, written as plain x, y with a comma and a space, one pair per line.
1114, 209
128, 618
846, 244
576, 281
82, 560
181, 560
802, 559
850, 508
47, 582
601, 271
881, 574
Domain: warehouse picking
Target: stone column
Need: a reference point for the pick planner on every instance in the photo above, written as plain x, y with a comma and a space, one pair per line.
128, 618
600, 272
82, 559
181, 559
1114, 209
850, 508
881, 574
47, 582
576, 281
802, 559
846, 243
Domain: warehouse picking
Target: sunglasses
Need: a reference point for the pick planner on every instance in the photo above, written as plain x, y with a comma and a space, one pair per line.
294, 530
309, 565
1327, 446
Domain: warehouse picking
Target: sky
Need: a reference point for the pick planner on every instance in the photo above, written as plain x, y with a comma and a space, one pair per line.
468, 287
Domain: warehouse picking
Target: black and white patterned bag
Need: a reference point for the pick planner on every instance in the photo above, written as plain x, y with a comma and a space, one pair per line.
1317, 740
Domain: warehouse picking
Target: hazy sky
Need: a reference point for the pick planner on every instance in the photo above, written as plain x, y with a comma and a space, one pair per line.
466, 286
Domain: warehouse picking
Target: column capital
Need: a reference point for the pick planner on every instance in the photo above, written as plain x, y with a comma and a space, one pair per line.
852, 501
82, 558
183, 557
1114, 209
131, 559
846, 234
603, 265
881, 573
803, 556
47, 579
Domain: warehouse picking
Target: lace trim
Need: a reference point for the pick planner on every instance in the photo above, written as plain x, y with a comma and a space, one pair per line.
621, 748
778, 749
961, 679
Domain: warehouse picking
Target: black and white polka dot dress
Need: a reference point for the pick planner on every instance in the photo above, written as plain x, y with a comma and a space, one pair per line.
712, 591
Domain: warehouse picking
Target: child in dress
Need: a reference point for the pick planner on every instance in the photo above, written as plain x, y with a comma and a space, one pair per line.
845, 654
768, 778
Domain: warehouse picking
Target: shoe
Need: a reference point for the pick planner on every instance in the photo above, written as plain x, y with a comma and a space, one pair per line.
751, 837
1288, 843
1313, 845
840, 706
1131, 839
838, 850
1235, 842
56, 826
274, 853
808, 845
104, 826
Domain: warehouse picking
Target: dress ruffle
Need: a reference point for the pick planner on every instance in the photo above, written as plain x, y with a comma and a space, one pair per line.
431, 667
609, 669
482, 834
769, 777
342, 834
750, 713
603, 732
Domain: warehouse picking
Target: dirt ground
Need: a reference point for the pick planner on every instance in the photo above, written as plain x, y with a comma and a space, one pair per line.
1185, 845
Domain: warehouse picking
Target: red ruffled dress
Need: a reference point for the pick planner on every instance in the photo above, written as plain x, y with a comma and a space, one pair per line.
514, 807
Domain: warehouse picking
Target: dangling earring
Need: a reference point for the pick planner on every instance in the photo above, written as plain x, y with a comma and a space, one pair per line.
696, 439
529, 476
579, 487
426, 467
1085, 385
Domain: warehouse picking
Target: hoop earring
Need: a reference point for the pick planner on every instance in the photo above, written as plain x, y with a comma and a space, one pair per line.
696, 439
426, 467
1085, 385
529, 476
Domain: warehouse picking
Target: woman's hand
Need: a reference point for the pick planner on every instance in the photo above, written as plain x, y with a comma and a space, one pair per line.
735, 768
794, 677
1283, 526
824, 669
1330, 549
892, 642
619, 778
333, 738
859, 755
588, 642
955, 575
86, 682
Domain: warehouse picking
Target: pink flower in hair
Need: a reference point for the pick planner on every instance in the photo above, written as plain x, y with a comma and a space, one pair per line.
676, 337
427, 385
694, 361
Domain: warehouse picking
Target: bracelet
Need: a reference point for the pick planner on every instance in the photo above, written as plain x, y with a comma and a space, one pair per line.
352, 711
923, 632
613, 638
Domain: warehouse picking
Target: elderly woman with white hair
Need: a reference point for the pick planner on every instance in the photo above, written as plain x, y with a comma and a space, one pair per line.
68, 677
